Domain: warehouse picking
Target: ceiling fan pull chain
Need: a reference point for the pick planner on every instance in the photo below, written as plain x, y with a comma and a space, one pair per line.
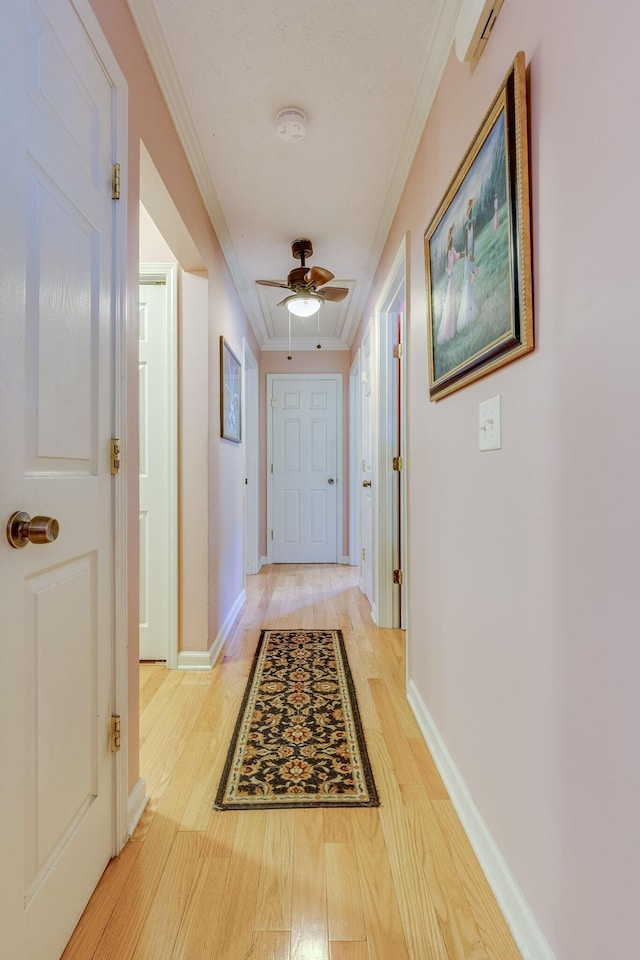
289, 357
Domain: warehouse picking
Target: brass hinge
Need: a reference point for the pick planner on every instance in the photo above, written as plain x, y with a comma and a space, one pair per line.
115, 456
397, 351
397, 577
397, 463
114, 733
115, 182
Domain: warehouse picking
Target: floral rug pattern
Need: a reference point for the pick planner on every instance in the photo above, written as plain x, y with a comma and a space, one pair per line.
298, 739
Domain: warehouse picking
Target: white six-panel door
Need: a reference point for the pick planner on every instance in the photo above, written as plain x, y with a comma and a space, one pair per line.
56, 363
304, 470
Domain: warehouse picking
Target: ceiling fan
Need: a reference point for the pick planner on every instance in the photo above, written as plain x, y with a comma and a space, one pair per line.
307, 284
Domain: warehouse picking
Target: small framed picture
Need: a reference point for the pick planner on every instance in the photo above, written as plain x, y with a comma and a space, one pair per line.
230, 394
478, 251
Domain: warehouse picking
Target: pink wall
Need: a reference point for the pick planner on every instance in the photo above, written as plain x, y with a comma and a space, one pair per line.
304, 361
150, 122
524, 564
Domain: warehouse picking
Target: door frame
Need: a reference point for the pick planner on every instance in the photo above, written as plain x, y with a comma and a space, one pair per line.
337, 377
385, 508
167, 273
250, 433
121, 827
354, 462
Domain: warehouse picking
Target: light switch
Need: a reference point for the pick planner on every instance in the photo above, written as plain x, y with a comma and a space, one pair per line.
491, 424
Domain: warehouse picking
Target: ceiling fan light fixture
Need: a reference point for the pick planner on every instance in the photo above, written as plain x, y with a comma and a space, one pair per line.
303, 304
291, 124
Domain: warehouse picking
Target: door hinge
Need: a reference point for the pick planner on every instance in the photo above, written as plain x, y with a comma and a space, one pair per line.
273, 401
364, 554
397, 577
114, 733
397, 351
115, 456
271, 468
272, 534
115, 182
397, 463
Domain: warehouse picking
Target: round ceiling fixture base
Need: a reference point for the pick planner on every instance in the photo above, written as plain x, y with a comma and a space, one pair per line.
291, 124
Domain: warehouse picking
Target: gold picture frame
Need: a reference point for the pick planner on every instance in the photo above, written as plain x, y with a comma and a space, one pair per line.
478, 251
230, 394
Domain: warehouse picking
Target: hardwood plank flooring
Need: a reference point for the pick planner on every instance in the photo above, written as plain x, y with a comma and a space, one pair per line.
398, 882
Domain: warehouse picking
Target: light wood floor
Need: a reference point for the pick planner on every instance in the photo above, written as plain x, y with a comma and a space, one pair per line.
398, 882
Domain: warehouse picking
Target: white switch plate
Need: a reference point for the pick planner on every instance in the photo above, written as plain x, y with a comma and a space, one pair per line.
491, 424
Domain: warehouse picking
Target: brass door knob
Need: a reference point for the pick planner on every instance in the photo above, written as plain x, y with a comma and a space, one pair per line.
366, 483
22, 529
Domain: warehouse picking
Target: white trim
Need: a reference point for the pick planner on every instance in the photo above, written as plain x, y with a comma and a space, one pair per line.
385, 505
205, 659
120, 679
346, 560
337, 377
136, 804
264, 561
354, 462
518, 914
168, 273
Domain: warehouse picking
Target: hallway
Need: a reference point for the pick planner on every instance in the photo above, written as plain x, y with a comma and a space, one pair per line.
399, 882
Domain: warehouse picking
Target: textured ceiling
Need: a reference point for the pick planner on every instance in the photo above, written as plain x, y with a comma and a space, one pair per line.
363, 71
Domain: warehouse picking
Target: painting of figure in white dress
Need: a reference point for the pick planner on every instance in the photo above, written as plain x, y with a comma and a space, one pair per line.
477, 252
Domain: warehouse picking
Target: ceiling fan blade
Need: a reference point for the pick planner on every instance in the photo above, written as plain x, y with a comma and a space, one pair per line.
273, 283
335, 294
316, 276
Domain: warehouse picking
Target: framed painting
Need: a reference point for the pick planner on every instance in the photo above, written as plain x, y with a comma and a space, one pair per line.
478, 251
230, 393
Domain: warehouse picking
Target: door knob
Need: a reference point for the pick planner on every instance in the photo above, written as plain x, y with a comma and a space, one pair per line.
330, 480
366, 483
21, 529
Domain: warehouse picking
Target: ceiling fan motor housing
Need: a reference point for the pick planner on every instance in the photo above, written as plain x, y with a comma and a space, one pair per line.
296, 277
301, 249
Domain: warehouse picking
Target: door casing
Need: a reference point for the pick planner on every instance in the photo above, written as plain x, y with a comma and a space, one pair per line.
389, 529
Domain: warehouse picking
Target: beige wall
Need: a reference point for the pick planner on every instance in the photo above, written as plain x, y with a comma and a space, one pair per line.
524, 563
149, 122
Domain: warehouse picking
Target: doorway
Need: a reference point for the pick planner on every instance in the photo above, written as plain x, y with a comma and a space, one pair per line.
158, 414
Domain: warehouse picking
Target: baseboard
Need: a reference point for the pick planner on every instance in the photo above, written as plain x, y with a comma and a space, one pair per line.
195, 660
136, 803
517, 912
264, 561
346, 561
205, 659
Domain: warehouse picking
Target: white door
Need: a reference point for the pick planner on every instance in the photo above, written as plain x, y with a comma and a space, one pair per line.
157, 456
56, 343
304, 470
366, 473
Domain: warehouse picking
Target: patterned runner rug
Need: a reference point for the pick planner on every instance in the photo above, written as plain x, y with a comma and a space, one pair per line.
298, 740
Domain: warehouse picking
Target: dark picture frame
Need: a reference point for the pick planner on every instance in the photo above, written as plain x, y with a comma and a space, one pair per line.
478, 251
230, 394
